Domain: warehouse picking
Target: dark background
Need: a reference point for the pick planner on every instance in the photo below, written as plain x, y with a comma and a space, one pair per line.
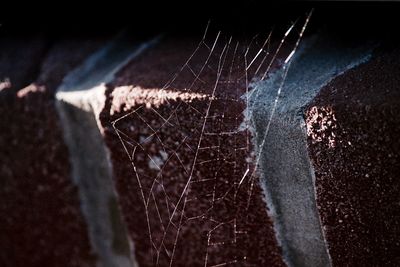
87, 19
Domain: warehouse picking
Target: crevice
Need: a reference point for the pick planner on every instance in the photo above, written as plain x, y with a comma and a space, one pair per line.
79, 101
284, 163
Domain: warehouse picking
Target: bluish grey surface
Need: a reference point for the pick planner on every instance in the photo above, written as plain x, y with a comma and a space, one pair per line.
80, 98
280, 138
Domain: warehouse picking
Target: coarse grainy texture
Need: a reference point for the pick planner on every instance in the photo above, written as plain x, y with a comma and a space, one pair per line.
353, 137
276, 109
41, 224
80, 98
188, 160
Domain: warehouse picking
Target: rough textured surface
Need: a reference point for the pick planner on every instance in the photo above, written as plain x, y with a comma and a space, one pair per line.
184, 147
185, 181
41, 221
354, 128
92, 175
80, 100
281, 143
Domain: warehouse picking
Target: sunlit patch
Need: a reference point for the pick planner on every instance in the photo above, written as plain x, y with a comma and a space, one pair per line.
132, 96
32, 88
193, 163
321, 125
5, 84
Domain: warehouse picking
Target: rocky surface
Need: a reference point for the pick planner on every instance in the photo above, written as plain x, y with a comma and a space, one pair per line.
80, 99
183, 166
353, 128
276, 110
42, 223
173, 152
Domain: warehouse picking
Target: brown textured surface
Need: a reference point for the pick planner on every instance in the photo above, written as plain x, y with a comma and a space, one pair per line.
220, 163
354, 128
41, 224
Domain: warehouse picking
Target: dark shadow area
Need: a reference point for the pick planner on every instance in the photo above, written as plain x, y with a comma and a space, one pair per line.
67, 18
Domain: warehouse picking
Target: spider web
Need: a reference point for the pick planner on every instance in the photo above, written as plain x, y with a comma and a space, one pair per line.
192, 160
